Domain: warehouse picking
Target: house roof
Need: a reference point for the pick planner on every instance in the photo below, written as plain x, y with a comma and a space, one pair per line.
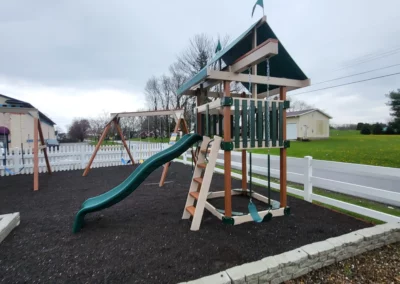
12, 101
281, 65
303, 112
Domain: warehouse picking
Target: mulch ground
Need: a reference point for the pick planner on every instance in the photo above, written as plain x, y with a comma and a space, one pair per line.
378, 266
142, 239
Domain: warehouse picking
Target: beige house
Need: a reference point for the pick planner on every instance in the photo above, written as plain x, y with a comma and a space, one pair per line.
17, 128
307, 124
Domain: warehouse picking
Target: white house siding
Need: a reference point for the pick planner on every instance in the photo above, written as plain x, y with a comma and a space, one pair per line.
21, 129
318, 125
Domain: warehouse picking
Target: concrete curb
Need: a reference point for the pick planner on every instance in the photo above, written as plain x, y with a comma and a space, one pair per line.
295, 263
7, 223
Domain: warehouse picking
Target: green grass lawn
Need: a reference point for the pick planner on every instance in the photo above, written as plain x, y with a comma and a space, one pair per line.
348, 146
152, 140
109, 142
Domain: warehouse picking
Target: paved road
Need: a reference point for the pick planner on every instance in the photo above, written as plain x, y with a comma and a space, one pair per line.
388, 182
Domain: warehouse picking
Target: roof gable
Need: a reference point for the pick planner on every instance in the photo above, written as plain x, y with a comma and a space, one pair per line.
306, 111
281, 65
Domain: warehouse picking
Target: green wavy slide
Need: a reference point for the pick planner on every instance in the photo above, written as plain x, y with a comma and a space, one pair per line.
124, 189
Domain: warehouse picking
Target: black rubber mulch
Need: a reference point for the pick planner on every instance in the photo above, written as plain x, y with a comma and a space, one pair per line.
142, 239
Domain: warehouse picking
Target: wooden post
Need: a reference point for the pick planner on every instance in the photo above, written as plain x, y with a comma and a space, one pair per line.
198, 103
44, 149
103, 135
123, 140
283, 162
227, 154
35, 154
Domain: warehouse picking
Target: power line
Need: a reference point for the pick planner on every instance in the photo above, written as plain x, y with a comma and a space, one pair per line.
350, 83
389, 53
348, 76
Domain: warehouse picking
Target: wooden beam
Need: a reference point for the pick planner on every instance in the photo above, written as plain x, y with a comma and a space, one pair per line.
176, 112
283, 162
103, 135
123, 140
227, 154
257, 79
35, 154
259, 53
44, 149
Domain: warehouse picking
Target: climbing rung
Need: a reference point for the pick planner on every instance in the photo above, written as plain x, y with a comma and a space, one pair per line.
198, 180
202, 165
194, 194
191, 210
205, 151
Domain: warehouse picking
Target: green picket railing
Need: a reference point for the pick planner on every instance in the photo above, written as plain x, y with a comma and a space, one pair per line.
253, 124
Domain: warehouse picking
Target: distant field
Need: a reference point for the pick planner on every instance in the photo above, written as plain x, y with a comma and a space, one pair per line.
349, 146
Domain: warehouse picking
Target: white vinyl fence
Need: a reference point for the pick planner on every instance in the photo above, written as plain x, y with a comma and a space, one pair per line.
76, 157
308, 181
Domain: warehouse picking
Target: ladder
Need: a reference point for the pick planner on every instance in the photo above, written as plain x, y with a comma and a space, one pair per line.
201, 181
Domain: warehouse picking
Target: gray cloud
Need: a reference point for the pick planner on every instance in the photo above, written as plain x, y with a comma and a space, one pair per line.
119, 44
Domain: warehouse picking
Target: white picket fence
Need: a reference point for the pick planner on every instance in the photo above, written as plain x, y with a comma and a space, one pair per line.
76, 157
308, 181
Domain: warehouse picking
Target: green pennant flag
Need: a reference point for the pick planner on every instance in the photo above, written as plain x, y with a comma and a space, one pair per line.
219, 47
259, 3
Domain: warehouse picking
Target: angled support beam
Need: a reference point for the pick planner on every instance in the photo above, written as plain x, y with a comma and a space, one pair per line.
103, 135
257, 79
123, 140
46, 158
258, 54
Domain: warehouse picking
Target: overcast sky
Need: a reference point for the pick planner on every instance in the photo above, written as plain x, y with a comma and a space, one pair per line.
78, 58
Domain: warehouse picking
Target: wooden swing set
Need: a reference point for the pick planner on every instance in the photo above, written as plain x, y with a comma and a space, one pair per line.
177, 115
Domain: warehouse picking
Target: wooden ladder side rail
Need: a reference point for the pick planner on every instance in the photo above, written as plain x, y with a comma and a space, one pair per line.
116, 123
103, 135
46, 158
166, 166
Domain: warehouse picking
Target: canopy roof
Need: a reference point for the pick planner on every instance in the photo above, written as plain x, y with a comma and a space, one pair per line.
281, 66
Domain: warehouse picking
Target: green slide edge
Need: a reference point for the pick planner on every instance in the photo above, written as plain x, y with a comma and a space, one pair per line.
129, 185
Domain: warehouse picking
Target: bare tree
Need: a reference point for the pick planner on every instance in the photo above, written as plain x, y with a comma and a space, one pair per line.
298, 105
79, 129
98, 123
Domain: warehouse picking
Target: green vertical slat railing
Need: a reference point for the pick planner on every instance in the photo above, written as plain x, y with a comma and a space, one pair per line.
195, 121
267, 126
244, 123
207, 120
211, 120
220, 132
259, 123
203, 124
232, 128
273, 124
214, 125
280, 124
252, 125
237, 120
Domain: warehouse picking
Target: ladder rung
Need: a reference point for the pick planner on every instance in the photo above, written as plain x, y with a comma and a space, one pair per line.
205, 151
202, 165
194, 194
191, 210
198, 180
